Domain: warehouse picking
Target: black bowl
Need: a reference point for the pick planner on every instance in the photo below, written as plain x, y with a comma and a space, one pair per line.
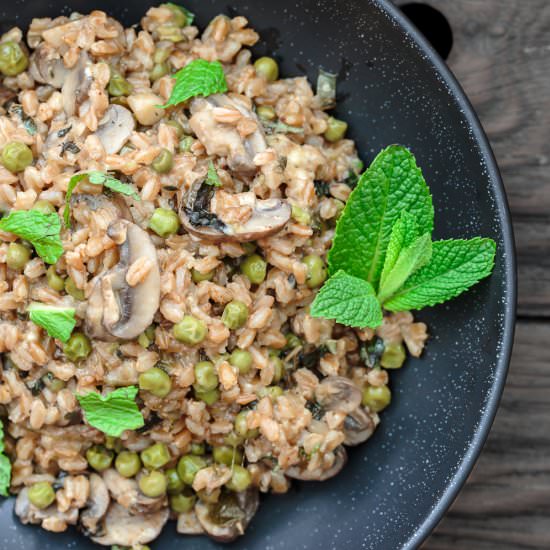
393, 88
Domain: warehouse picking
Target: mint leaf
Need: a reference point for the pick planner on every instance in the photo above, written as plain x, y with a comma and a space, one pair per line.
59, 322
455, 266
200, 77
41, 230
97, 178
348, 300
5, 466
410, 260
391, 184
212, 177
190, 17
113, 413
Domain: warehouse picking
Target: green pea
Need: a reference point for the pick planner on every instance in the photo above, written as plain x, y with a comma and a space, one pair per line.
188, 466
128, 464
143, 340
41, 494
235, 315
170, 32
241, 359
266, 112
54, 384
376, 398
198, 277
279, 368
268, 68
16, 156
240, 479
206, 378
17, 256
241, 426
255, 268
162, 54
190, 330
43, 206
55, 282
164, 222
197, 449
72, 290
249, 248
177, 127
233, 439
271, 391
227, 455
179, 17
209, 397
13, 60
183, 502
78, 347
153, 484
174, 482
186, 143
316, 271
336, 129
113, 443
156, 456
118, 85
301, 215
159, 70
163, 162
393, 357
292, 341
156, 381
99, 458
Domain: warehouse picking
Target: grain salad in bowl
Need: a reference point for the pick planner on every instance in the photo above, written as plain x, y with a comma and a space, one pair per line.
201, 291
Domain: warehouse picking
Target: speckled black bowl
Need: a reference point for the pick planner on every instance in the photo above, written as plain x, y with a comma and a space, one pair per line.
392, 88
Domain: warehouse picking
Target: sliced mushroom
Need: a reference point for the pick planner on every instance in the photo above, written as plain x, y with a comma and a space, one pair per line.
358, 427
268, 217
122, 528
77, 84
115, 207
224, 140
336, 393
228, 518
97, 505
50, 518
115, 128
188, 524
47, 67
126, 492
114, 306
303, 474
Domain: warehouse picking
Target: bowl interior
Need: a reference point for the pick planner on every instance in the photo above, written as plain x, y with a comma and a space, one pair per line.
391, 90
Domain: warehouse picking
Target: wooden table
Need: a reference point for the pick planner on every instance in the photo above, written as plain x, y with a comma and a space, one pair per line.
501, 55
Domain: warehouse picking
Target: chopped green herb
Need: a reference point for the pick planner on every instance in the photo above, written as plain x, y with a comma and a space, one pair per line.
96, 178
41, 230
326, 89
59, 322
5, 466
190, 16
112, 413
198, 78
212, 177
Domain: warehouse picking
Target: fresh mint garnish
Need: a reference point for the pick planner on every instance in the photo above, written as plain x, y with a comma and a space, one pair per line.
112, 413
58, 322
5, 466
382, 254
198, 78
43, 231
97, 178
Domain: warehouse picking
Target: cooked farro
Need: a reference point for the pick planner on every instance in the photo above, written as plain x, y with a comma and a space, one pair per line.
288, 391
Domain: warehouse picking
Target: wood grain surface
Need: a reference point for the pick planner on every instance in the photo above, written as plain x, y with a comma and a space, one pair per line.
501, 56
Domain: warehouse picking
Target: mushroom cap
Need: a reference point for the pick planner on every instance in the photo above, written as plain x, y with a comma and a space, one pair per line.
122, 528
76, 84
303, 474
114, 307
268, 217
337, 393
358, 427
28, 513
115, 128
47, 67
188, 524
97, 505
227, 519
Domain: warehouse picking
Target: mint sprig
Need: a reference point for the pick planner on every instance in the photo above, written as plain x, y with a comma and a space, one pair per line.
382, 254
198, 78
5, 466
58, 322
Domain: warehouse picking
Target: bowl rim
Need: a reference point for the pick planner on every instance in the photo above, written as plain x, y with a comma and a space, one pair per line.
473, 452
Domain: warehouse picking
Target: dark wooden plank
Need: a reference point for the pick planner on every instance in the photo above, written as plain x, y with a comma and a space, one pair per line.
501, 56
506, 502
